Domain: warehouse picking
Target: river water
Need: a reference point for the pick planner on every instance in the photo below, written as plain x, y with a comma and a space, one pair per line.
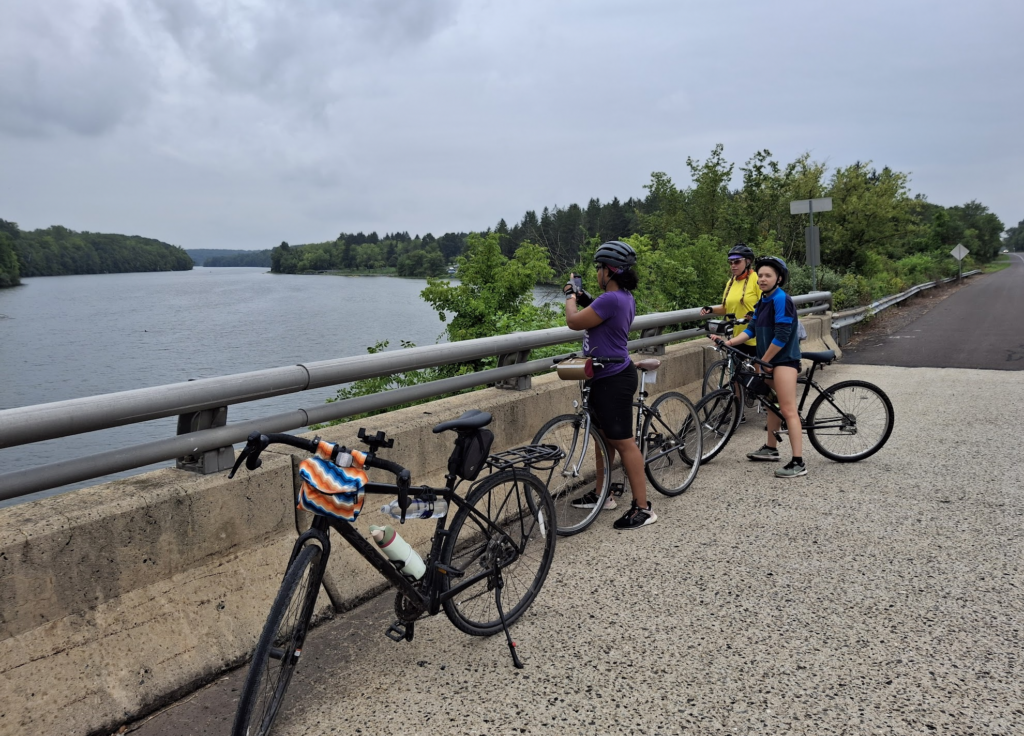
72, 336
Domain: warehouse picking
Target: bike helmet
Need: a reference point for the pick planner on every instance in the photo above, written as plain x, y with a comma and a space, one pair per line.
776, 263
616, 254
742, 250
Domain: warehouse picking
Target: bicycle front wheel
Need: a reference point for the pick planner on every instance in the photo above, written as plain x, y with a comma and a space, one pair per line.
280, 645
507, 524
716, 377
718, 413
850, 421
579, 483
672, 443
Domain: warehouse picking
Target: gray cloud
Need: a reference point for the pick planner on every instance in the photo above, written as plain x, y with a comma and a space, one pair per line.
80, 68
251, 123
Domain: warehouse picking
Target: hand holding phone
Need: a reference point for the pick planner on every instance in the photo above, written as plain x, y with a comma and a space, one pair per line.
577, 282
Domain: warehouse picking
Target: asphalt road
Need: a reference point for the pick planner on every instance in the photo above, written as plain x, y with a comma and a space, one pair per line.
980, 326
878, 597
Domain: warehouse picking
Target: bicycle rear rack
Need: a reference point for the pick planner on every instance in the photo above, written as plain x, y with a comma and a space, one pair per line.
537, 457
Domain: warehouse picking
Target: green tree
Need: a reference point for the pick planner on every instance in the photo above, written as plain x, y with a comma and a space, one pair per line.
495, 293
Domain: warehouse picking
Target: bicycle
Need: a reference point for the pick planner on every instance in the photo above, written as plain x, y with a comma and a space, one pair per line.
846, 422
484, 569
666, 432
719, 373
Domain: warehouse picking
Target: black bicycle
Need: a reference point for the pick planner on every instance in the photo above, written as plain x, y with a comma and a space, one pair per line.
484, 568
666, 433
848, 421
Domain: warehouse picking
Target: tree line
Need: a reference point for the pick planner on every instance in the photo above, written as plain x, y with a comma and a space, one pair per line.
58, 251
396, 253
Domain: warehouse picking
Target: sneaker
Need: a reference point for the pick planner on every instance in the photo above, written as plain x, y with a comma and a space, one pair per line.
636, 517
765, 453
792, 469
589, 501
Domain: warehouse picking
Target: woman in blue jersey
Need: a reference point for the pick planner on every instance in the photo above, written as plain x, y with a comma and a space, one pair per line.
775, 327
606, 322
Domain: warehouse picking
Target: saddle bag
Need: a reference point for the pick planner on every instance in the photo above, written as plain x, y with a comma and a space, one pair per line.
470, 454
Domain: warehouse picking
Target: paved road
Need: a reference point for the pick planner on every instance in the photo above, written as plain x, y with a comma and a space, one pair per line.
980, 326
880, 597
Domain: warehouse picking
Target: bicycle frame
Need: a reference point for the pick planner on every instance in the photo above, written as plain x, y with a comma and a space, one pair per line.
808, 381
425, 594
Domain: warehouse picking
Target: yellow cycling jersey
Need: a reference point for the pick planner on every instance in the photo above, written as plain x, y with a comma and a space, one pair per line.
740, 298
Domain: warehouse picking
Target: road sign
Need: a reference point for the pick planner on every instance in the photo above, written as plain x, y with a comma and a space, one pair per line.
812, 239
810, 206
959, 252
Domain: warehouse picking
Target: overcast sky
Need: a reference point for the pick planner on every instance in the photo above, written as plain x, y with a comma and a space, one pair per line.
242, 123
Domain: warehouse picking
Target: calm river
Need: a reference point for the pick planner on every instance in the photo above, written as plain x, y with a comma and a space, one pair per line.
72, 336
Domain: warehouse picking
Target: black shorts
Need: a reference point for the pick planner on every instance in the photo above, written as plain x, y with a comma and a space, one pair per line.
788, 364
611, 404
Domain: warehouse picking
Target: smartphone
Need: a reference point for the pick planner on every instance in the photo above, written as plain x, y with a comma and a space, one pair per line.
577, 282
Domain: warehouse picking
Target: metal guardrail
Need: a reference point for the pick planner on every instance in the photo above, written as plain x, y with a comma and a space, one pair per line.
852, 316
189, 400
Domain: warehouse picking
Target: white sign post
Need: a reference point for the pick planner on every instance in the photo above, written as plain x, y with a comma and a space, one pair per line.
959, 253
811, 238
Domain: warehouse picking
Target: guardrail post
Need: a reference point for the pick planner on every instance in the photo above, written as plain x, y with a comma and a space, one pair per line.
211, 461
522, 383
653, 349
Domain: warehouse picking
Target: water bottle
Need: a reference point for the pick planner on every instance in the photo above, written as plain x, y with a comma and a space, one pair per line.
418, 509
398, 550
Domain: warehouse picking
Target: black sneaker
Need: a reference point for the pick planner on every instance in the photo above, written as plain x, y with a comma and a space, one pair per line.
589, 501
792, 469
636, 517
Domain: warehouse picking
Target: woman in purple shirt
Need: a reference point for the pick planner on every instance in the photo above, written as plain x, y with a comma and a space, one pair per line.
606, 322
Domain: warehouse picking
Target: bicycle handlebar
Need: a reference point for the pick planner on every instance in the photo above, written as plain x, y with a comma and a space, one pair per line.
720, 345
257, 443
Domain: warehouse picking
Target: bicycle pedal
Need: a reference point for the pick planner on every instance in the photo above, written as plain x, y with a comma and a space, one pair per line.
452, 572
617, 489
400, 630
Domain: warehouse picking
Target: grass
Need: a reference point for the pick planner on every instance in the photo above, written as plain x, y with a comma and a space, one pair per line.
1003, 261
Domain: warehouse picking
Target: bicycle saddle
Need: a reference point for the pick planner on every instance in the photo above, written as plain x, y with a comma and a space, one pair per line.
648, 364
472, 419
823, 356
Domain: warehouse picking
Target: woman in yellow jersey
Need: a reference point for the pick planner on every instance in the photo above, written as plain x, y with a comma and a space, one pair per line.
741, 294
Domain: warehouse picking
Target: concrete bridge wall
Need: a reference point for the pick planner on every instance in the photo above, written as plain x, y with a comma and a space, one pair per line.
118, 598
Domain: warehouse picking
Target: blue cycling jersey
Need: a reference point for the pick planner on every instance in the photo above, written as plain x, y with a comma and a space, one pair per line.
775, 323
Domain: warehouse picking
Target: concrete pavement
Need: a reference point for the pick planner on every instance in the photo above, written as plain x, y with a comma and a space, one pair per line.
875, 597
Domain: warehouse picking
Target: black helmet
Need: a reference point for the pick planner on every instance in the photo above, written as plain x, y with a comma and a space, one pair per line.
743, 250
616, 254
776, 263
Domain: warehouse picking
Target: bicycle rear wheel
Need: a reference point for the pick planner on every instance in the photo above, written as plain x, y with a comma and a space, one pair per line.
280, 645
511, 526
672, 441
569, 485
850, 421
718, 413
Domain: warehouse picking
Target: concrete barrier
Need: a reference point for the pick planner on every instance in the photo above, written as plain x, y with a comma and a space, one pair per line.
119, 598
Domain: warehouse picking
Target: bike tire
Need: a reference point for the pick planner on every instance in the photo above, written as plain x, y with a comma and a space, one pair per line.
595, 473
519, 505
280, 645
716, 377
719, 414
672, 443
856, 426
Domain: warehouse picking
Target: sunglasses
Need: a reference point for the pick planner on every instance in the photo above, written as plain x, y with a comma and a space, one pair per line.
736, 260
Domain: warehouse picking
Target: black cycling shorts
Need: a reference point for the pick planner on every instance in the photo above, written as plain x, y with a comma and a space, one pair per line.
611, 404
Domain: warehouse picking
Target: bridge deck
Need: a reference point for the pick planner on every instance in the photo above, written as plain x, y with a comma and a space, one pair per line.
876, 597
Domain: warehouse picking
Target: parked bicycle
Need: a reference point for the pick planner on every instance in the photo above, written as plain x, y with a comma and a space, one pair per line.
846, 422
719, 373
484, 568
666, 432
